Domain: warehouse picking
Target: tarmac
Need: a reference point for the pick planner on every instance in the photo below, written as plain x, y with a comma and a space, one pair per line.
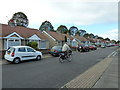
102, 75
3, 61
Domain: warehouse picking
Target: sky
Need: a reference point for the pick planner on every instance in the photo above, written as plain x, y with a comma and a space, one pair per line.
99, 17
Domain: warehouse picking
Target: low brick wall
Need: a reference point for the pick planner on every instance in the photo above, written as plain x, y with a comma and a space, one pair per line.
44, 51
74, 48
2, 53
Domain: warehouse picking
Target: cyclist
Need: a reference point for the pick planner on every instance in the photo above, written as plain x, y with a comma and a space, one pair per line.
66, 49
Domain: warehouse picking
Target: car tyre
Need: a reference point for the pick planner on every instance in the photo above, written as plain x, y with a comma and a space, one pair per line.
38, 58
16, 61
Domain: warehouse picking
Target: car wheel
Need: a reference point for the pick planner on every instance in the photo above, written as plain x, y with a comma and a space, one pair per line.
38, 58
16, 61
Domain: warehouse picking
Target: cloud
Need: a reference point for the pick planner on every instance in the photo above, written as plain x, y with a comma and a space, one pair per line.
76, 12
112, 34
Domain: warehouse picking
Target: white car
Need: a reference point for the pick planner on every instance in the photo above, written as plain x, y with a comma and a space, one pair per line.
16, 54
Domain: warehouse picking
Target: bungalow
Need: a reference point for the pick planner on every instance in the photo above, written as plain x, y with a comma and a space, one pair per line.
15, 36
82, 40
56, 38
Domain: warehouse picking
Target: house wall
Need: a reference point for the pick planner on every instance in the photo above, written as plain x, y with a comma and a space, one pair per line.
1, 43
51, 41
4, 44
23, 42
46, 44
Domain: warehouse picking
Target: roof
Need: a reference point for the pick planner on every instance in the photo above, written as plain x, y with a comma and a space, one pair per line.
22, 31
59, 36
81, 38
68, 36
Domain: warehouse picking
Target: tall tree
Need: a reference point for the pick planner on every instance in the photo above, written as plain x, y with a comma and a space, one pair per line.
65, 39
113, 41
91, 35
82, 32
100, 38
19, 19
107, 39
46, 26
62, 29
73, 30
86, 35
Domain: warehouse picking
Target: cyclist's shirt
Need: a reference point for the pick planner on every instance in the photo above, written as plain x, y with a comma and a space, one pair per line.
65, 47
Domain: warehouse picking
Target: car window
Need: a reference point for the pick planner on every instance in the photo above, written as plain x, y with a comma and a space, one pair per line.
57, 47
10, 49
21, 49
30, 50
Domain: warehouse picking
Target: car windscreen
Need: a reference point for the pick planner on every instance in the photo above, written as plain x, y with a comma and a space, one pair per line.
57, 47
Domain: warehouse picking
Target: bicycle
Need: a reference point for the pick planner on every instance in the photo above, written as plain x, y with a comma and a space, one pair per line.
63, 57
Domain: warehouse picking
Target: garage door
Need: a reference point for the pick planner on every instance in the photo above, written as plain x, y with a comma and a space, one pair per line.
13, 43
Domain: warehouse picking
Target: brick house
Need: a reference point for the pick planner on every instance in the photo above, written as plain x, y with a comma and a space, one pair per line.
56, 38
82, 40
16, 36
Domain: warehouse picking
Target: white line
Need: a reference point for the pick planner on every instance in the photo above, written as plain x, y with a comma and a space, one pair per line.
114, 53
110, 54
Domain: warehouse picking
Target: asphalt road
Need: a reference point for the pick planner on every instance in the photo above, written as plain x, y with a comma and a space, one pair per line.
49, 72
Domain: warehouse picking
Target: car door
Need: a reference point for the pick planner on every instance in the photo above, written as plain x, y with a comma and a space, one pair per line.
22, 53
31, 53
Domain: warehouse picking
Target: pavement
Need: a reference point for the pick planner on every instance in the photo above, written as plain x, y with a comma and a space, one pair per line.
109, 79
102, 75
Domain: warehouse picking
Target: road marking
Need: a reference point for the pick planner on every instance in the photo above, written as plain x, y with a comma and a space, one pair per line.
112, 53
115, 54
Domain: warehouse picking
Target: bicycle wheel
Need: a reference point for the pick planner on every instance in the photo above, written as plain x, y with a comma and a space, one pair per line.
69, 58
61, 60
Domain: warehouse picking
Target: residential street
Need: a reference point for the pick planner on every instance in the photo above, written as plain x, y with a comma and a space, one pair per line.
49, 72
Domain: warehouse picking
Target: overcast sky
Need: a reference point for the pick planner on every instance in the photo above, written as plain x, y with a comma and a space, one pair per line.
99, 17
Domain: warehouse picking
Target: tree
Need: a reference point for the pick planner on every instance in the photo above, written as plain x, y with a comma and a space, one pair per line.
91, 35
118, 42
100, 38
86, 35
113, 41
107, 39
73, 30
82, 32
65, 39
46, 26
62, 29
18, 19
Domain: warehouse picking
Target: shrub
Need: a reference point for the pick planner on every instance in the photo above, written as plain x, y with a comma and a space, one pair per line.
33, 45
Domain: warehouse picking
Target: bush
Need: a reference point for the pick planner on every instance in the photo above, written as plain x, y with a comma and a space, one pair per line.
33, 45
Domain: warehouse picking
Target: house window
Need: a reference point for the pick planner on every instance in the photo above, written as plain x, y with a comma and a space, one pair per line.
43, 45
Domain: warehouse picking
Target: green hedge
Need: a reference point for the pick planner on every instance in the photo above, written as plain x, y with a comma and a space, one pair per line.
33, 45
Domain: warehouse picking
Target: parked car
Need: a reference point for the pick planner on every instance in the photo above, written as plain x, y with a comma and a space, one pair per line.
92, 47
16, 54
56, 50
83, 48
102, 46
